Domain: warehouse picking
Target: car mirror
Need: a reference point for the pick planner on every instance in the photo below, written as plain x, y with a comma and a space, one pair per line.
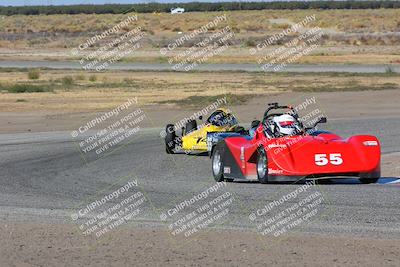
321, 120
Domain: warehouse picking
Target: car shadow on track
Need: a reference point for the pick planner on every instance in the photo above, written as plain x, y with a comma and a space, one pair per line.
333, 181
197, 154
381, 181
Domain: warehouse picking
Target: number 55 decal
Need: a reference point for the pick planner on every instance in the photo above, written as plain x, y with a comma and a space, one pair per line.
334, 159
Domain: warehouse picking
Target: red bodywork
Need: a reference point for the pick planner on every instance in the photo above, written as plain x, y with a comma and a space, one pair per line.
302, 156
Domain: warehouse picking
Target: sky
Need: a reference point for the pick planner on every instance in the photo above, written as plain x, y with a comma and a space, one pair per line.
74, 2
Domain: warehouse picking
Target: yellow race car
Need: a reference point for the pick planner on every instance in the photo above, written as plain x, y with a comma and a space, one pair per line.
194, 137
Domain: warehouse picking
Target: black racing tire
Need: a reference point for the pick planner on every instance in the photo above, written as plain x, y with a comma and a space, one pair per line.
170, 139
368, 180
190, 126
262, 166
217, 165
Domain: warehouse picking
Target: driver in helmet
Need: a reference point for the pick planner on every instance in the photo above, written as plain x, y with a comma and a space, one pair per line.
284, 125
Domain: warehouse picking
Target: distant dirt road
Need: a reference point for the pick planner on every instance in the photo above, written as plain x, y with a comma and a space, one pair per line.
353, 68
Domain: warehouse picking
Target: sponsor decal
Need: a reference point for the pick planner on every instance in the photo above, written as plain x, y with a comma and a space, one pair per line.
227, 169
276, 146
272, 171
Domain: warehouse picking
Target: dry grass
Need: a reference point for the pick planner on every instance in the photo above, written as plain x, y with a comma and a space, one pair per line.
349, 34
373, 20
324, 55
169, 88
36, 31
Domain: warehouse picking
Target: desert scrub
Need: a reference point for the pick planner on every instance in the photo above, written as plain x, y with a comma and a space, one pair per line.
92, 78
350, 86
25, 88
67, 81
33, 74
80, 77
198, 100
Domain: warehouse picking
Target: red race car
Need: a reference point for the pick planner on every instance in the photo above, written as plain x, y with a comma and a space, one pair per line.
280, 148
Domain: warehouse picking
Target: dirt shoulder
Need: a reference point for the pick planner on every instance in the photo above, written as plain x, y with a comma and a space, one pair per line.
336, 54
61, 245
334, 105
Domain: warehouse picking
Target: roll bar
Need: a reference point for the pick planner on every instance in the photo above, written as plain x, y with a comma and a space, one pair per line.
275, 105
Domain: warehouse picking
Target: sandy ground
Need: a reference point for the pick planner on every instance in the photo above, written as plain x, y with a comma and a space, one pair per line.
61, 245
344, 54
335, 105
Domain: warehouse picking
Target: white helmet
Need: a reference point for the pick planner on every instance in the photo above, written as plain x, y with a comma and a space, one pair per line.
285, 124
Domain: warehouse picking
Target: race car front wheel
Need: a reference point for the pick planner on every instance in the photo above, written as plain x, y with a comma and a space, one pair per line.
262, 166
170, 137
217, 166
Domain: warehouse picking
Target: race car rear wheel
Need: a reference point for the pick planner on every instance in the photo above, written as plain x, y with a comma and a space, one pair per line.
217, 166
370, 177
262, 166
170, 137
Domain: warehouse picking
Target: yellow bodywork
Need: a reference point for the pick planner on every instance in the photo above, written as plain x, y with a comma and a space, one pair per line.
197, 140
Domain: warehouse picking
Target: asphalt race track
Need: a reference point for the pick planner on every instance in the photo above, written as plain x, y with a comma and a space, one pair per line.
44, 177
347, 68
